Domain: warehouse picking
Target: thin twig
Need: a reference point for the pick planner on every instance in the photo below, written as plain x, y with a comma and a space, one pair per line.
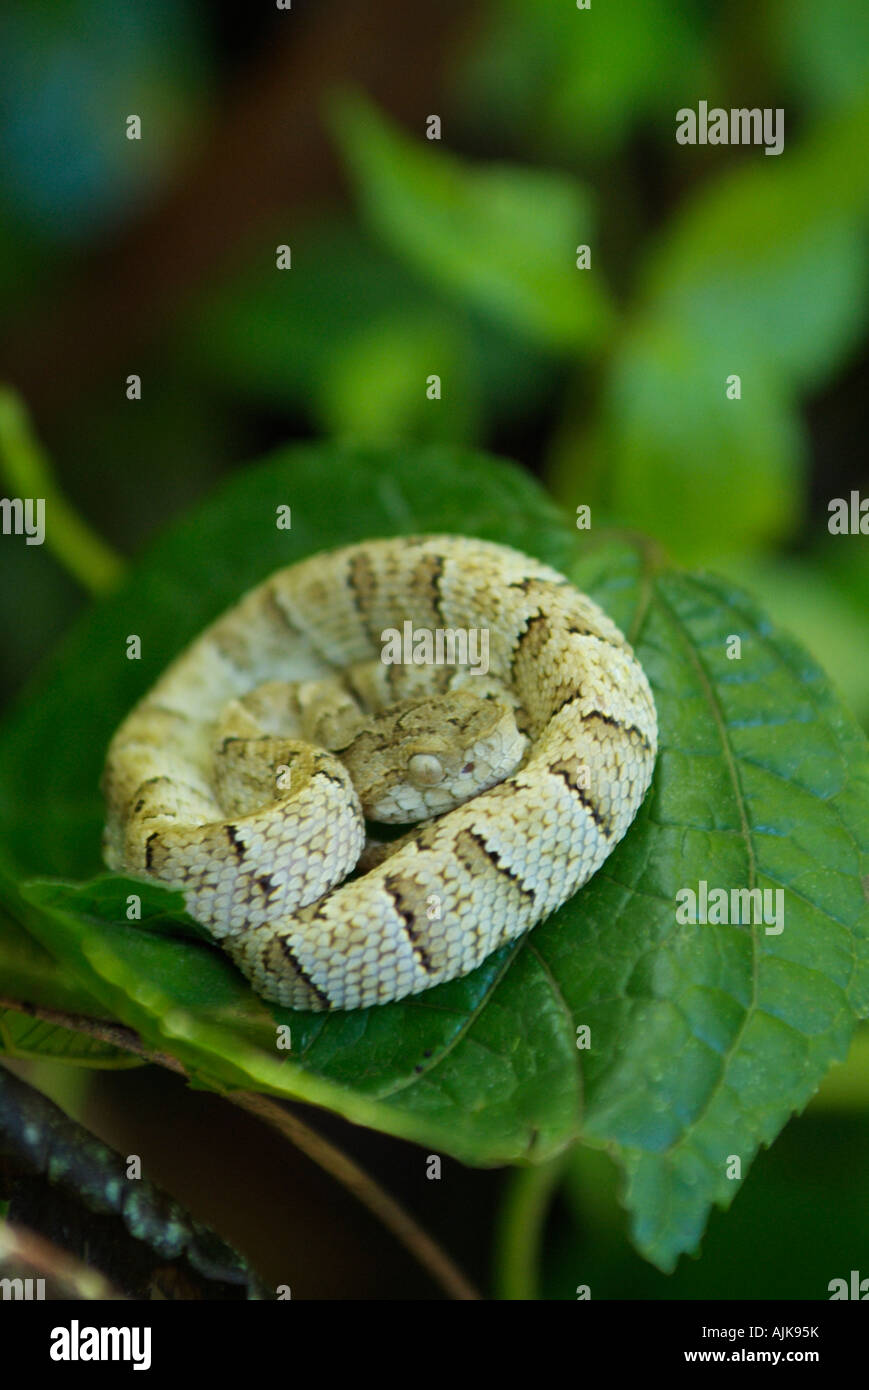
117, 1034
22, 1249
345, 1171
326, 1155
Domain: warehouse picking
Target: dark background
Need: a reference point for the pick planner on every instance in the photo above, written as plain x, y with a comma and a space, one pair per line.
157, 258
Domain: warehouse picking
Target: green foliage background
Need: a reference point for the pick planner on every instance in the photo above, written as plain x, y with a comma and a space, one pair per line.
459, 258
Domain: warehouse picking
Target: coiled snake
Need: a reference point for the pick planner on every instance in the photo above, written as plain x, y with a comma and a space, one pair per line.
246, 775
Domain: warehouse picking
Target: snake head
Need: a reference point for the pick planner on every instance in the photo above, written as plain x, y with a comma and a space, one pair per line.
422, 757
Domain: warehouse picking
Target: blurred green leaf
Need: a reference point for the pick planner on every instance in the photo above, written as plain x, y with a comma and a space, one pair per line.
705, 475
348, 339
846, 1087
570, 81
705, 1039
764, 275
824, 49
499, 236
275, 334
375, 387
769, 261
845, 561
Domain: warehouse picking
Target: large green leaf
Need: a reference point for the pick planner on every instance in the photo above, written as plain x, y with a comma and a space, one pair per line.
704, 1038
709, 1037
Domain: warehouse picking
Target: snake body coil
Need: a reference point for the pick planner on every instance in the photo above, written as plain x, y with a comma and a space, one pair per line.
245, 776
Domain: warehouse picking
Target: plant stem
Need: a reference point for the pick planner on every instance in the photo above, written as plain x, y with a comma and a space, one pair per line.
520, 1236
27, 472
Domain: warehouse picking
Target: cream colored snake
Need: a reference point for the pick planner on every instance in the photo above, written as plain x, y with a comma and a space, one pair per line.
257, 773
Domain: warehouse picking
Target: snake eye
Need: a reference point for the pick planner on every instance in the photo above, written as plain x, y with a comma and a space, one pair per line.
425, 769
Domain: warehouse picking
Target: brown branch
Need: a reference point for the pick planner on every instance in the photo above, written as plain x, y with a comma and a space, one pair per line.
322, 1152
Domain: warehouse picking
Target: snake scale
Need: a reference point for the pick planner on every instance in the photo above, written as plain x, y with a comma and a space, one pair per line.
261, 773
